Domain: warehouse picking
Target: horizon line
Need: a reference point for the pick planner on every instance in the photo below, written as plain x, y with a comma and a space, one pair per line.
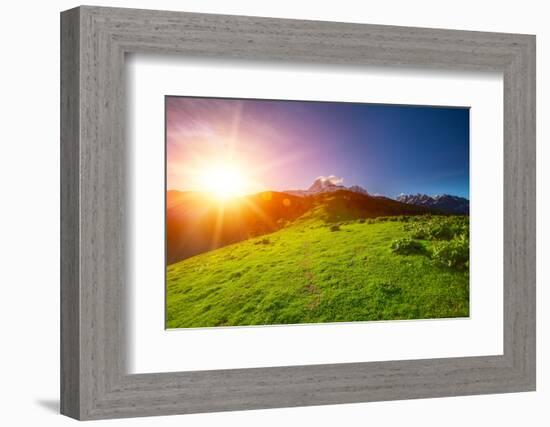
341, 189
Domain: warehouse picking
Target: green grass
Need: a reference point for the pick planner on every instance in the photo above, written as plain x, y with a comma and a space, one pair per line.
313, 272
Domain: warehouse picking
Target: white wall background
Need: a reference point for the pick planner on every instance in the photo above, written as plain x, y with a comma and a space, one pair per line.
29, 224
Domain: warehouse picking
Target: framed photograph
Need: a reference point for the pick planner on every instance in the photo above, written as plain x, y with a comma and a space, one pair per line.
261, 213
257, 234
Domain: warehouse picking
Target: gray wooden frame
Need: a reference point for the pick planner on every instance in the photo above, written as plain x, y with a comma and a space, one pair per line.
94, 382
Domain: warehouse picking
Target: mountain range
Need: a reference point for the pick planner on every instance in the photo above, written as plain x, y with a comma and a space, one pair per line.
445, 202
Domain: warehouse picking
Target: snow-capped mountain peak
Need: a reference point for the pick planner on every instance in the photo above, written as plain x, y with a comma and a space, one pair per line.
327, 184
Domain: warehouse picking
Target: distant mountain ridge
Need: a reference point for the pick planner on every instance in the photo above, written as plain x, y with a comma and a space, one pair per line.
443, 202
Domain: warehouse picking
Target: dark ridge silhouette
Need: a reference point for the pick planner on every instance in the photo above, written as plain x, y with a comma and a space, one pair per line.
345, 205
196, 223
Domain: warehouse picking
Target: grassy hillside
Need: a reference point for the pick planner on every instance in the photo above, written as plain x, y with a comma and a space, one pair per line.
318, 271
197, 223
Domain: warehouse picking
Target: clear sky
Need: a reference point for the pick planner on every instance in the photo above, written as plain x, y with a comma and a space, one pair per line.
286, 145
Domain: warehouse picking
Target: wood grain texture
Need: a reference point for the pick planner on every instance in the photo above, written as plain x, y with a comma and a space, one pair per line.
94, 382
70, 260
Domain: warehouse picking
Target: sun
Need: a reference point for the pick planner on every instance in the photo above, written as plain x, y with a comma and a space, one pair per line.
223, 181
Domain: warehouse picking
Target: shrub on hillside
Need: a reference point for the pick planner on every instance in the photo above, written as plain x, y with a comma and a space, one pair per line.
439, 228
453, 253
264, 241
419, 231
406, 246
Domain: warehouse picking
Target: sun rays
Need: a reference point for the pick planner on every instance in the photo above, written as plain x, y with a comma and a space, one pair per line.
226, 155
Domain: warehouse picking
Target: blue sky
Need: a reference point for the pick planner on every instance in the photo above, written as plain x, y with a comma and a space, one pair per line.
387, 149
